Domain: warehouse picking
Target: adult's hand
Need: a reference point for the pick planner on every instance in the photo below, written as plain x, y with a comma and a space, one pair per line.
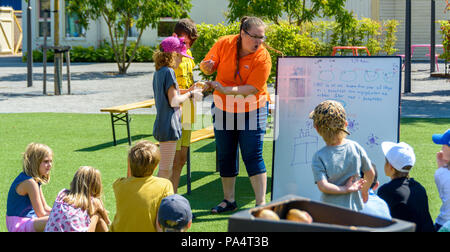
207, 66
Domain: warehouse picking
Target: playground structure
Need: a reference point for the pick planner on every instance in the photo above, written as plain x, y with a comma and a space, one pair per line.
10, 31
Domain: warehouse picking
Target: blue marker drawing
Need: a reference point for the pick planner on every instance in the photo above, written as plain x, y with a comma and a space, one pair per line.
370, 76
353, 125
348, 76
326, 75
372, 141
304, 148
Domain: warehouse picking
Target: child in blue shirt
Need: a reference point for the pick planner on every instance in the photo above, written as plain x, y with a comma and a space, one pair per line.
375, 205
167, 126
336, 167
26, 209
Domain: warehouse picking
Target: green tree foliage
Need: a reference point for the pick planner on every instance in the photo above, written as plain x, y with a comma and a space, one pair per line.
311, 39
121, 15
297, 11
445, 32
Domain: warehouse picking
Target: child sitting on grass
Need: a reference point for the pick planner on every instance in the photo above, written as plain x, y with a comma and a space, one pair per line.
80, 209
442, 179
138, 196
174, 214
406, 198
27, 210
336, 167
375, 205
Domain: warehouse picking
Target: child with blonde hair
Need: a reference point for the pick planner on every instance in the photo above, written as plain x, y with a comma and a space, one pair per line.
27, 210
139, 195
167, 125
80, 209
337, 166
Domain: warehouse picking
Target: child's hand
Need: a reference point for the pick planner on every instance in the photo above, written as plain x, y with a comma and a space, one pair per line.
197, 94
100, 209
354, 186
441, 162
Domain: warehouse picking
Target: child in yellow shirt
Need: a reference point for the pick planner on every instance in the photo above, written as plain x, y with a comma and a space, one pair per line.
139, 196
187, 29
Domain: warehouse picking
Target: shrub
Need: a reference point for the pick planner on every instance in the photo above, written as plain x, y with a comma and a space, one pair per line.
445, 31
311, 39
103, 53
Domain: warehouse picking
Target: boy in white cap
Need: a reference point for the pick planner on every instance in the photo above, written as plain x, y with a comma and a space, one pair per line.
174, 214
442, 179
406, 198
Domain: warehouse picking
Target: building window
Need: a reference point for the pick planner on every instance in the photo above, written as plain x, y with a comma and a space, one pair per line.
44, 11
73, 27
166, 26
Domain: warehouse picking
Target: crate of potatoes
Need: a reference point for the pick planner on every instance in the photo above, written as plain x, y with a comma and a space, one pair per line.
297, 214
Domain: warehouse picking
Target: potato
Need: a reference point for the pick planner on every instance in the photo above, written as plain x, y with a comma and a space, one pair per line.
200, 84
299, 216
267, 214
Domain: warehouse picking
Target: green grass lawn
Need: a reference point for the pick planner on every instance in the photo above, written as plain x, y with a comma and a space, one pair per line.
86, 139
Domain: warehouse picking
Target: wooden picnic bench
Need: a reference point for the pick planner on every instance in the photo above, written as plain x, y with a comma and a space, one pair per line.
120, 114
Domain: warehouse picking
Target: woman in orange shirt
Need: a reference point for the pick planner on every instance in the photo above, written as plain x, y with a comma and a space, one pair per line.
243, 66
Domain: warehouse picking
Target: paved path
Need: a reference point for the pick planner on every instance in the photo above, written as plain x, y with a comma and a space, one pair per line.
94, 86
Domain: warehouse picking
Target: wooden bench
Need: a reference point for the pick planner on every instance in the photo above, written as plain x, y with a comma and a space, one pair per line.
120, 114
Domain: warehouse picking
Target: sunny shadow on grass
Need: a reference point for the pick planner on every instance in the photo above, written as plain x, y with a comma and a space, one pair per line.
86, 139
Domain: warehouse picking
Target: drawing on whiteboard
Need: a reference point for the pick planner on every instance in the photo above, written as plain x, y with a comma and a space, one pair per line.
370, 76
326, 75
298, 71
388, 77
297, 87
348, 75
304, 148
372, 141
353, 125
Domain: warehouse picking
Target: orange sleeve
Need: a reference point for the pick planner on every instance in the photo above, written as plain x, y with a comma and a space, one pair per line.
214, 53
260, 71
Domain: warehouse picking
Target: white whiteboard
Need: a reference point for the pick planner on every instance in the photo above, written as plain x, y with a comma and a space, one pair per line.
368, 88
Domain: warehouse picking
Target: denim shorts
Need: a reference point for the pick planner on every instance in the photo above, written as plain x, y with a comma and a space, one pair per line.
240, 130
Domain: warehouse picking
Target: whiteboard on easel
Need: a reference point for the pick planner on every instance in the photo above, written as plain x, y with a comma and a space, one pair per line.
368, 88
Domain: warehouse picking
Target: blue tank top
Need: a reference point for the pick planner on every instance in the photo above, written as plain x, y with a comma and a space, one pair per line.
18, 205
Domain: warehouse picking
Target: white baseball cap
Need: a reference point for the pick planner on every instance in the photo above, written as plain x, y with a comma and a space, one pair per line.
399, 155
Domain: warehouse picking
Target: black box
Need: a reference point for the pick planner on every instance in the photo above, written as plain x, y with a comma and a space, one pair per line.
326, 218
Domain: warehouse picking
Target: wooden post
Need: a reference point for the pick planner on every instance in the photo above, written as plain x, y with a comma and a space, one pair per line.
68, 70
57, 56
44, 84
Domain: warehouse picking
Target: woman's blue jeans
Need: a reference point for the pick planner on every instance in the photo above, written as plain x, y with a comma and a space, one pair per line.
243, 130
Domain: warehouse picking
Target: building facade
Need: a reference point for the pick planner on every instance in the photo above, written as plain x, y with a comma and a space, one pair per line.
212, 12
72, 34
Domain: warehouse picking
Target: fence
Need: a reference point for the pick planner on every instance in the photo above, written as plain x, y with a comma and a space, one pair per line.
10, 31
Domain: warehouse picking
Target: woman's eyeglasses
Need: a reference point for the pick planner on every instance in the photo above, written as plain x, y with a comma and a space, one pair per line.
263, 38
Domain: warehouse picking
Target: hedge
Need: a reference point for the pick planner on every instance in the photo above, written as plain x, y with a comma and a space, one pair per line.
103, 53
311, 39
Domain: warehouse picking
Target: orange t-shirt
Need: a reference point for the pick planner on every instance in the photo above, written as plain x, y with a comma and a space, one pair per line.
253, 68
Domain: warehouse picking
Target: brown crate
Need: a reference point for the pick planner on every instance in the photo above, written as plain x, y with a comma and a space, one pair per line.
326, 218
